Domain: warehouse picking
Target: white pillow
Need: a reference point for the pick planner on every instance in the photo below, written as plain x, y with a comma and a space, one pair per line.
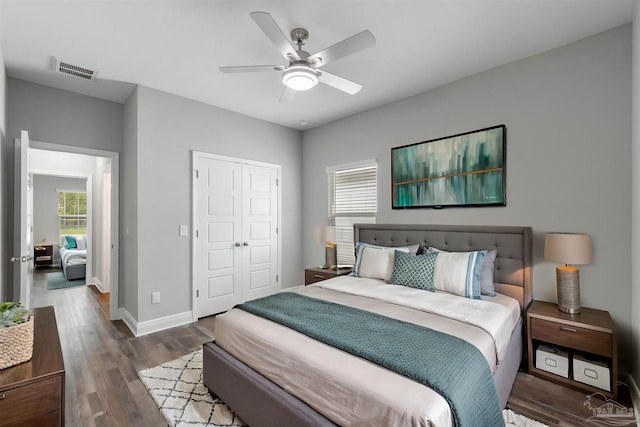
413, 249
459, 273
377, 263
80, 242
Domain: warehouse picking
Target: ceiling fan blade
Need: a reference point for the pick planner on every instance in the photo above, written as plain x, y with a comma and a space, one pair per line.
275, 34
287, 95
356, 43
251, 68
339, 83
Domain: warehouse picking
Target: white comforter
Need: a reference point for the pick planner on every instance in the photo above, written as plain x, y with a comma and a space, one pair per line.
346, 389
496, 315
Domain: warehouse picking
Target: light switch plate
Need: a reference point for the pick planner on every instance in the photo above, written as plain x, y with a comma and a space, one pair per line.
184, 230
155, 298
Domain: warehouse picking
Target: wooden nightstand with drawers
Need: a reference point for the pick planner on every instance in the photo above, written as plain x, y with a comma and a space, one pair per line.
589, 336
317, 274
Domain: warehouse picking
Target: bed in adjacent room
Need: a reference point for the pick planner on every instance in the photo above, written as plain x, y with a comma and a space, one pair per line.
73, 256
273, 370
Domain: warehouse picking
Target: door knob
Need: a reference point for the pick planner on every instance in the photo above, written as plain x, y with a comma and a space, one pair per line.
237, 244
245, 244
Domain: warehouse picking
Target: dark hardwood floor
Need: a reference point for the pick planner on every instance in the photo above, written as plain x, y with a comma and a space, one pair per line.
556, 405
102, 359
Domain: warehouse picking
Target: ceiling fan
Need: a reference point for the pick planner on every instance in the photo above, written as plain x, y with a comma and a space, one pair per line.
302, 71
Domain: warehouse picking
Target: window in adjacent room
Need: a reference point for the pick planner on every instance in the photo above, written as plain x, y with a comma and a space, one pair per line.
353, 197
72, 212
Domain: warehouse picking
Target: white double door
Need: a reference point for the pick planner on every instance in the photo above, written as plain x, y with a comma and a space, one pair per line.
236, 249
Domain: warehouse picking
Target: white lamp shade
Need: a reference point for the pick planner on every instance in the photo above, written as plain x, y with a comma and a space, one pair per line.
327, 234
567, 248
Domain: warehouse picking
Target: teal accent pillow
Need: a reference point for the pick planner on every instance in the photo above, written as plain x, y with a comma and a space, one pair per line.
414, 271
71, 242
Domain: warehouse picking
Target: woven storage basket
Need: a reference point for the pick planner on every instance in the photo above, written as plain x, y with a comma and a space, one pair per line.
16, 344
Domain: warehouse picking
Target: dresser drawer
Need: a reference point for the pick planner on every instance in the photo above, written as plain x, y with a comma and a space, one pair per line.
36, 404
573, 337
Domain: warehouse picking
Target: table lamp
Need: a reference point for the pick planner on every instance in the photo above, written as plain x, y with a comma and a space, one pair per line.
328, 235
567, 248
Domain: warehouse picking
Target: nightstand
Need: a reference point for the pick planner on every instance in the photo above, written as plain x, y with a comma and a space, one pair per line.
589, 335
43, 255
317, 274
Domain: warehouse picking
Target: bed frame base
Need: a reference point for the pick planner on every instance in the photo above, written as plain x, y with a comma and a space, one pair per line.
259, 401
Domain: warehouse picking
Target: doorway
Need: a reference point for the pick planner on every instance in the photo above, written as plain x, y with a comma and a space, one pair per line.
102, 227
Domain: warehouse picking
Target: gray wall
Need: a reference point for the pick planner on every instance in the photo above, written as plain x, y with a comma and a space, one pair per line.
635, 283
168, 129
59, 117
568, 118
128, 295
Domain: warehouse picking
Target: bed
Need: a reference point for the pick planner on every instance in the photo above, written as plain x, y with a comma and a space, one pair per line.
73, 256
271, 376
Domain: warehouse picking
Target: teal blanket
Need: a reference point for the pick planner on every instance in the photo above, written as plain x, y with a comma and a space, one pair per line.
449, 365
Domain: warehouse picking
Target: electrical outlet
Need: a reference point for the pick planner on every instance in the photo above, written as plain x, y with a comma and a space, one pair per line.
155, 298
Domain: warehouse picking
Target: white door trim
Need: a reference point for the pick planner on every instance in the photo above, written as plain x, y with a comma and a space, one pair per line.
115, 209
194, 226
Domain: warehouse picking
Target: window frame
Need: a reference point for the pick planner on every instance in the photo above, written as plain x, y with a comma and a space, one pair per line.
78, 217
343, 219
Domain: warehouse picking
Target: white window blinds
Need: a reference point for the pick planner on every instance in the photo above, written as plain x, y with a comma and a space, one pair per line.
353, 198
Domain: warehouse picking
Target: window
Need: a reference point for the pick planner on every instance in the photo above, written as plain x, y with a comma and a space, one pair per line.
72, 212
353, 198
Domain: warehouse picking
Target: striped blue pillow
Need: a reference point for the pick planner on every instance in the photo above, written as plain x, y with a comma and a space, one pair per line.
458, 272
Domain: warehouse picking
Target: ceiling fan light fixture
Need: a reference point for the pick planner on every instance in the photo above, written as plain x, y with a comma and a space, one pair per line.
299, 78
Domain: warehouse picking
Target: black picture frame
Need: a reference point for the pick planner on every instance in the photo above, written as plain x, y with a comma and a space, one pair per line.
463, 170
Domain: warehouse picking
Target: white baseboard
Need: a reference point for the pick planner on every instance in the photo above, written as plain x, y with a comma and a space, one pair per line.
635, 397
154, 325
97, 283
128, 320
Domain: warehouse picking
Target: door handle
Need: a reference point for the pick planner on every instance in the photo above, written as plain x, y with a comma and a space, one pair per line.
245, 244
237, 244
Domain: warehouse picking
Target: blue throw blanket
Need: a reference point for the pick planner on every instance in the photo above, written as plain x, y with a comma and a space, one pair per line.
449, 365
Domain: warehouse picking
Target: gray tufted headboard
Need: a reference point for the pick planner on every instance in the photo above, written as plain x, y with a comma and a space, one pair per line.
512, 273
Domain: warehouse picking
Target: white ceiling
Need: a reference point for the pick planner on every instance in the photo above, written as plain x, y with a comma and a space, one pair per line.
177, 46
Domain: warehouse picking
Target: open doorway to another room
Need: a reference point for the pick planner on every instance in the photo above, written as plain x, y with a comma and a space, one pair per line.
72, 222
60, 223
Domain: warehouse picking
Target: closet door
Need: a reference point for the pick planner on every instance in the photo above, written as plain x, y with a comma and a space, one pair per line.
219, 248
259, 231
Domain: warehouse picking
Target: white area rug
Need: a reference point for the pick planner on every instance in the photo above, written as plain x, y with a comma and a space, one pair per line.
177, 389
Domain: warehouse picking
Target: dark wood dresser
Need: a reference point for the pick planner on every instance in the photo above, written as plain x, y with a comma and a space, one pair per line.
32, 393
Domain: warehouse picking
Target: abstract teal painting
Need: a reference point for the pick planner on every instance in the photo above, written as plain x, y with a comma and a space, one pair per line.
460, 170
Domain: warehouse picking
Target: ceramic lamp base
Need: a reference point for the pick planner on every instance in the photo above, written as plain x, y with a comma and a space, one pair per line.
331, 256
568, 282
